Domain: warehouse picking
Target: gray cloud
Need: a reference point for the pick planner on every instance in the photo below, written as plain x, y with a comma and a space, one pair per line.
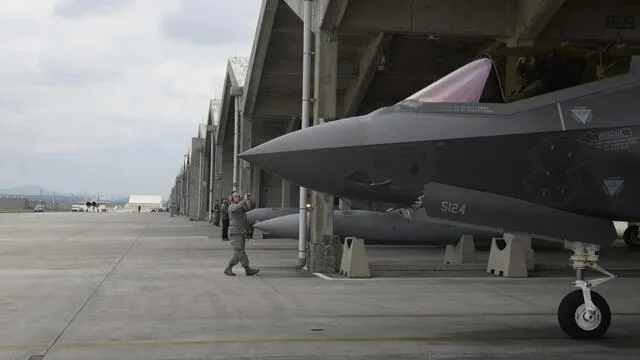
116, 78
76, 8
209, 22
139, 169
58, 67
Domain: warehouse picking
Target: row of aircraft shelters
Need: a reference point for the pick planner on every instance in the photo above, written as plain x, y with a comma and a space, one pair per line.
365, 54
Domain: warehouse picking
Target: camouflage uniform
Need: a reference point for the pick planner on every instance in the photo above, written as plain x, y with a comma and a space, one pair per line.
238, 230
224, 212
537, 87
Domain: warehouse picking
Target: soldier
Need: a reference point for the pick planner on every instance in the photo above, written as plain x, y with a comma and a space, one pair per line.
238, 230
224, 214
532, 73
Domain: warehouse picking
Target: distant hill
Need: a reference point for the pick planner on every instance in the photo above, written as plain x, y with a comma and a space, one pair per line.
22, 190
34, 192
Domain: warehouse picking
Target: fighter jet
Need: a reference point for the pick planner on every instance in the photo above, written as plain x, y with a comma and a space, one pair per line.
264, 214
379, 226
561, 165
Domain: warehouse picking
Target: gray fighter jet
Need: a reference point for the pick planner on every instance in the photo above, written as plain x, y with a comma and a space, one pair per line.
379, 226
263, 214
560, 165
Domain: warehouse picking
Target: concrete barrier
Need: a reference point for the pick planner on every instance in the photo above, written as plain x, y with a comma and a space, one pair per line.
354, 262
461, 253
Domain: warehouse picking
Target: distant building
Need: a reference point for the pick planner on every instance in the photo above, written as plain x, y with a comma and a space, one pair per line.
146, 202
14, 203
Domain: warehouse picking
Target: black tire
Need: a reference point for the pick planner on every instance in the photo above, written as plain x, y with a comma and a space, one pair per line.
567, 314
630, 236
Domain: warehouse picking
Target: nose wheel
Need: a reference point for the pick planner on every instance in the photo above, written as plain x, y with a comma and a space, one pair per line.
580, 322
583, 313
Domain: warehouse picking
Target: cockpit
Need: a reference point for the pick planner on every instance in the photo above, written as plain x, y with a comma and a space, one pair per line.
495, 79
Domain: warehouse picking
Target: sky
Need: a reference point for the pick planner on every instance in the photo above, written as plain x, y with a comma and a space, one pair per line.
105, 95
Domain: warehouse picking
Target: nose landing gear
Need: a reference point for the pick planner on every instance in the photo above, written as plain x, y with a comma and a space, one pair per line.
583, 313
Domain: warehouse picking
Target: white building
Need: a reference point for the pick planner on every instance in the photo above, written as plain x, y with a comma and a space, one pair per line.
145, 202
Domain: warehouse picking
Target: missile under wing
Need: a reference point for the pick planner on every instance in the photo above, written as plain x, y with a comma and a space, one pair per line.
378, 226
561, 165
263, 214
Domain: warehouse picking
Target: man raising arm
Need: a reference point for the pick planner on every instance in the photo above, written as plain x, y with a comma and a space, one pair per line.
238, 230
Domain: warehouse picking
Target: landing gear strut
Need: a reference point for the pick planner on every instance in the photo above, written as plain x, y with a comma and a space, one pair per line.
631, 236
583, 313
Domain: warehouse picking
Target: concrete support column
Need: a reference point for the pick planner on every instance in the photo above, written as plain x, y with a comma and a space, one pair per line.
321, 254
256, 185
183, 183
179, 195
195, 210
174, 195
180, 198
286, 193
185, 188
236, 93
245, 178
211, 155
204, 182
218, 175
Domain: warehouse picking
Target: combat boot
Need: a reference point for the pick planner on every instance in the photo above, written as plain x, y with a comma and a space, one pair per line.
228, 271
249, 271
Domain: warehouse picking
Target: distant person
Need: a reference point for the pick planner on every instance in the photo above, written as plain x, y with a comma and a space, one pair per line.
139, 208
238, 230
224, 214
532, 73
216, 213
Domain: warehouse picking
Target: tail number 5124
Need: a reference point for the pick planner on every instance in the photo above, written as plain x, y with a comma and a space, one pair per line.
453, 208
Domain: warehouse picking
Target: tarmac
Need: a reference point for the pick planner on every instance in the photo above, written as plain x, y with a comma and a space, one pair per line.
150, 286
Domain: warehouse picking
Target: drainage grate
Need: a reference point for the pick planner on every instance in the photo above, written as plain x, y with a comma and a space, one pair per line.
36, 357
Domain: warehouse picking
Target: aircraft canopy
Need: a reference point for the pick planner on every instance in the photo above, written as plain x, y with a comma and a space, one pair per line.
464, 85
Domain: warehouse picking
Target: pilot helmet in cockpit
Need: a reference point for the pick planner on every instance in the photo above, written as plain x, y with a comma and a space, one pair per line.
528, 68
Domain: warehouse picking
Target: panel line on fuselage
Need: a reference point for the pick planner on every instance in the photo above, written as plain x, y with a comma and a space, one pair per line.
562, 124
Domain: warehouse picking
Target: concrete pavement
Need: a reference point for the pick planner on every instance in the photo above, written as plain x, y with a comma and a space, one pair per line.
149, 286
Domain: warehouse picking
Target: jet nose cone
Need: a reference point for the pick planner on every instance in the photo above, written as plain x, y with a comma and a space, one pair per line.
281, 227
302, 156
264, 214
339, 133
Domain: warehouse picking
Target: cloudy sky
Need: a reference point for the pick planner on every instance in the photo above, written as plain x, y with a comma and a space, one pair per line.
105, 95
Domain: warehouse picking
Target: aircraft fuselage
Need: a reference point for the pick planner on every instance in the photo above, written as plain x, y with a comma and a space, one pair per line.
577, 154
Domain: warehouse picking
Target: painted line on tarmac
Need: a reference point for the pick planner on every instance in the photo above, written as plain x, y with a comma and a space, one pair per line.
473, 278
323, 276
